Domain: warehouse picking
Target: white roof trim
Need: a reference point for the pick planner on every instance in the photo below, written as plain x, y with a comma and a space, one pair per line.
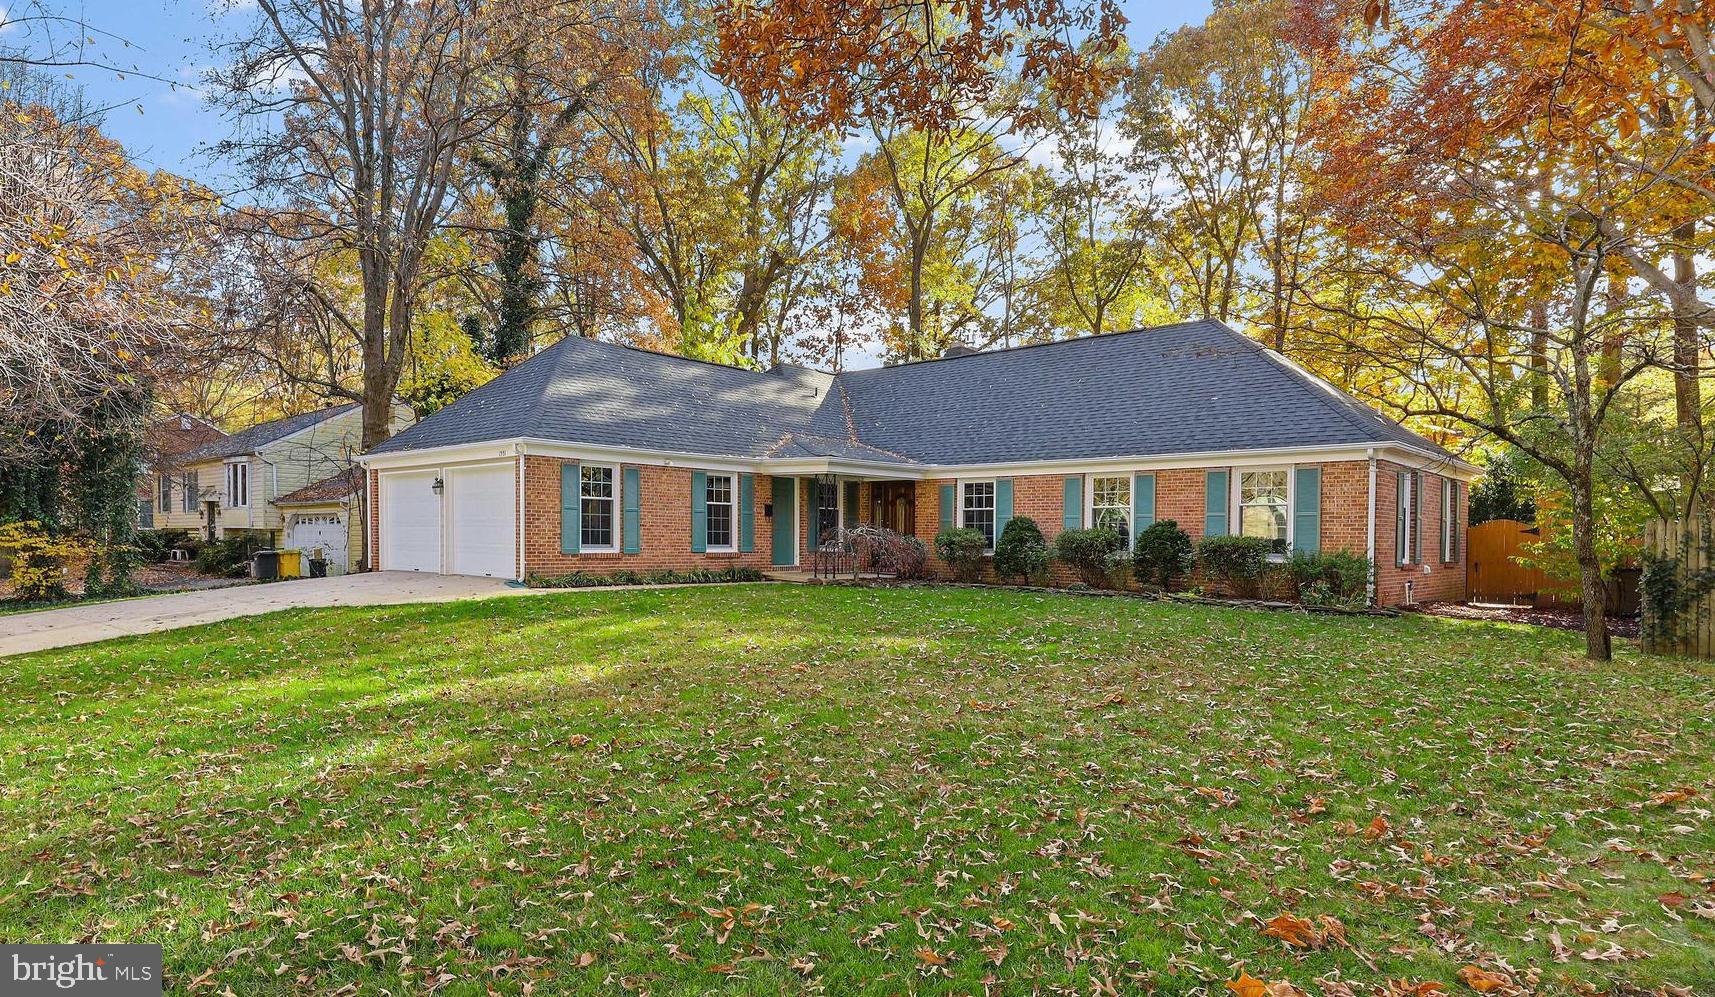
1412, 456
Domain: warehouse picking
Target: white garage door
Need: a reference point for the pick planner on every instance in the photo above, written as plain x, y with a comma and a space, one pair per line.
485, 534
410, 522
323, 531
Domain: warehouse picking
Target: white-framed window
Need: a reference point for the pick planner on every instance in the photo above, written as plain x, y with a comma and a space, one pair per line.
1449, 522
238, 485
976, 508
1265, 503
1405, 517
598, 505
188, 491
164, 492
1110, 503
721, 515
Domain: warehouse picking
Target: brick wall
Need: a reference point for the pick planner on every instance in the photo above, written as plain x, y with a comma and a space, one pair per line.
664, 525
1179, 495
1432, 580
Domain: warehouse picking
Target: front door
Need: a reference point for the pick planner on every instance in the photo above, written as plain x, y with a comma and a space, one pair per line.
893, 506
211, 511
784, 492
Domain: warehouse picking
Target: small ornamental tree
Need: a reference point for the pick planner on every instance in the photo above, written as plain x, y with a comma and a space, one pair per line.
1089, 553
1238, 563
963, 550
39, 560
1163, 554
1020, 552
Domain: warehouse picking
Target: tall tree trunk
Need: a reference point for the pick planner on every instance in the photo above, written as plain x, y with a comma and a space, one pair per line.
1539, 356
1687, 392
1613, 330
1591, 587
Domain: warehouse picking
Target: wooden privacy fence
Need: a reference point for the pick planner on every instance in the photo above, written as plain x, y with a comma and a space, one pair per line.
1491, 552
1686, 625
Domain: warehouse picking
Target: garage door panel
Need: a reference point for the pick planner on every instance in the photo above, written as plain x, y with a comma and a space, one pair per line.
484, 523
410, 522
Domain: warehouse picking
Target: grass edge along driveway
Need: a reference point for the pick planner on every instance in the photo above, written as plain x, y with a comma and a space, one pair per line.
766, 789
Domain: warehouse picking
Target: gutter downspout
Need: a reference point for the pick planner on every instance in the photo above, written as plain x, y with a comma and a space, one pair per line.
1370, 543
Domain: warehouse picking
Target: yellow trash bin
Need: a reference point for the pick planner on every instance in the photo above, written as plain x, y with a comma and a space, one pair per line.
291, 564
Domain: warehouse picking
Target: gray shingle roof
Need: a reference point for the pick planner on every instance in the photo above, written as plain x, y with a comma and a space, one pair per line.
260, 435
1195, 387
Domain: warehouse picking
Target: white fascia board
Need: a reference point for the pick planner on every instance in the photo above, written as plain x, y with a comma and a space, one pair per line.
492, 449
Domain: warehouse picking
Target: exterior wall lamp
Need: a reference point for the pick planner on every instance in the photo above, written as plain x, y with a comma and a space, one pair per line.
439, 486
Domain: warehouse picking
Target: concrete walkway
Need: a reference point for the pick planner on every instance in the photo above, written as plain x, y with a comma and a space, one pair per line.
36, 631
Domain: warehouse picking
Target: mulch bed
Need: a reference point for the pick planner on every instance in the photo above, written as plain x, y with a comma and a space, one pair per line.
1558, 617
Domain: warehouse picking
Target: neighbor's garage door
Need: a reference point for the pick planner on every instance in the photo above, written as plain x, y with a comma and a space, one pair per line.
485, 532
410, 522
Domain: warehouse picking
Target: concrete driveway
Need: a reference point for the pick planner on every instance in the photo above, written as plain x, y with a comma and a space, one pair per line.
36, 631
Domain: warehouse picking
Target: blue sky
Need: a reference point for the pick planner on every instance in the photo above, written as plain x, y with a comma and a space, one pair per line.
163, 124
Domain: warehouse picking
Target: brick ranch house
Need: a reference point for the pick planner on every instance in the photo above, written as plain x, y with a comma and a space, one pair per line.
598, 457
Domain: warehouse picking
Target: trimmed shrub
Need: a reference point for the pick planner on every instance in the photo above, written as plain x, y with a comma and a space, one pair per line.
1239, 563
1163, 554
697, 576
963, 550
1090, 553
1020, 552
1337, 578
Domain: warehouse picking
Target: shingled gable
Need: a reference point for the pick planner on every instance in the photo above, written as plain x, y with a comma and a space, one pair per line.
1185, 389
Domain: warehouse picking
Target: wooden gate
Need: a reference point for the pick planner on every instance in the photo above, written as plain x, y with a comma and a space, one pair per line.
1690, 546
1495, 575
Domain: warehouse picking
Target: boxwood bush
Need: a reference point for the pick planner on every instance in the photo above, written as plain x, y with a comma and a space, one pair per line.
1163, 554
1090, 553
590, 579
1020, 552
1238, 563
963, 550
1336, 578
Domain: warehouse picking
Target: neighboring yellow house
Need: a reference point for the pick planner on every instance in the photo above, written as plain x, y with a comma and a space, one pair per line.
232, 485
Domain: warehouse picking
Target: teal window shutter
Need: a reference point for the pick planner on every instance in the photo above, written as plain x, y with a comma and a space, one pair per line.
699, 512
850, 513
571, 510
1216, 496
1072, 515
1142, 504
1002, 504
1306, 510
631, 499
746, 513
946, 507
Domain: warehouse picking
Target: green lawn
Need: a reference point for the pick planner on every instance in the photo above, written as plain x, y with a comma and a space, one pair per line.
769, 789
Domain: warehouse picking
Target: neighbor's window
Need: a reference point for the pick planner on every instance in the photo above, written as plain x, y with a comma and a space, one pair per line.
720, 493
1262, 506
976, 508
237, 485
188, 492
164, 489
1110, 504
595, 499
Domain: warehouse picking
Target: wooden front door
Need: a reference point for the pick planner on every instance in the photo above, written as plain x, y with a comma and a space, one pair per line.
893, 505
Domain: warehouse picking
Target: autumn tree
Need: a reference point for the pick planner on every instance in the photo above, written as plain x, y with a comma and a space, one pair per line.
1440, 140
352, 119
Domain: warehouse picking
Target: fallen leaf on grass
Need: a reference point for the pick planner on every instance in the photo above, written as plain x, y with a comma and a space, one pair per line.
1249, 986
930, 957
1378, 828
1483, 981
1301, 933
1678, 794
1405, 988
